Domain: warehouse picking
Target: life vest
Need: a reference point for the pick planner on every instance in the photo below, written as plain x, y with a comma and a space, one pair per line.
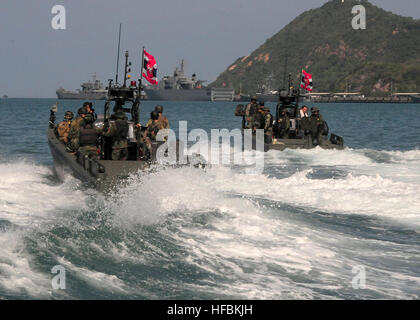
88, 136
261, 119
152, 130
122, 130
251, 109
63, 130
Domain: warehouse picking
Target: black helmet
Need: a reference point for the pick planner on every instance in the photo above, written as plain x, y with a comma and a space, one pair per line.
159, 109
314, 109
154, 115
81, 111
68, 115
87, 104
254, 98
261, 103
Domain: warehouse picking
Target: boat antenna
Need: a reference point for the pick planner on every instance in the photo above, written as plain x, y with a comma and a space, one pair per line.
285, 72
126, 69
118, 55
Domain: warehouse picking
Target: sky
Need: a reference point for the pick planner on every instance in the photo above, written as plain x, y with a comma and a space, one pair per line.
209, 35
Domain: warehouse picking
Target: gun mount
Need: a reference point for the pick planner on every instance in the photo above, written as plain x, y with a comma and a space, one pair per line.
289, 99
122, 94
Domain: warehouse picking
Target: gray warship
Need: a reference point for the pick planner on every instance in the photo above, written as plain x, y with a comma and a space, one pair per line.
91, 90
299, 136
105, 174
266, 92
179, 87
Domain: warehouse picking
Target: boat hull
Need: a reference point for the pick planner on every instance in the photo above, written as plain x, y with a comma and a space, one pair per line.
81, 96
105, 175
101, 174
334, 142
178, 94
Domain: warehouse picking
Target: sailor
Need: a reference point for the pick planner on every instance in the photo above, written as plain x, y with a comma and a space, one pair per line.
283, 124
259, 118
303, 112
149, 135
268, 126
88, 137
315, 114
163, 121
250, 111
118, 131
316, 126
63, 128
74, 129
89, 108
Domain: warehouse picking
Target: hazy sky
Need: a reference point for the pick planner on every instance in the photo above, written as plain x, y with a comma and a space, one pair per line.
209, 35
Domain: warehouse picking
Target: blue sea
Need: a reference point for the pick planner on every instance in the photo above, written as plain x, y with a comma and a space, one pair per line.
315, 224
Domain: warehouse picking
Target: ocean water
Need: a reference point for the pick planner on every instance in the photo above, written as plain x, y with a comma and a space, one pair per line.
305, 228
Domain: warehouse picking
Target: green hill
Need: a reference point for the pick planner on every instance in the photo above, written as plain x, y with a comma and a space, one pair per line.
322, 41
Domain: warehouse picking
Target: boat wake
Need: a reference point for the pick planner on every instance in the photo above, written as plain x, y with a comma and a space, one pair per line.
295, 231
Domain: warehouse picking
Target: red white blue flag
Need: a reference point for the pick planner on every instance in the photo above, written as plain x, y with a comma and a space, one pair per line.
149, 68
306, 81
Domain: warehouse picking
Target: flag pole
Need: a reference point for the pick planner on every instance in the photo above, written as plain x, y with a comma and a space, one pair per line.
140, 84
142, 66
300, 80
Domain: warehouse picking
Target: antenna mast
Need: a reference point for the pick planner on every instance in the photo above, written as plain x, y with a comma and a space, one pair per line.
118, 55
285, 72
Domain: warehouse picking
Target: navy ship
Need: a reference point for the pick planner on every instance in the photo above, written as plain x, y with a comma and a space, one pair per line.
265, 91
91, 90
179, 87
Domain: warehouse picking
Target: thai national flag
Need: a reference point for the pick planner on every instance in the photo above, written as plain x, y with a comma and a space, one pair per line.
306, 81
150, 68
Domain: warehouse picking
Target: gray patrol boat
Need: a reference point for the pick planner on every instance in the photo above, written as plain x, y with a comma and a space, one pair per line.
105, 174
301, 133
179, 87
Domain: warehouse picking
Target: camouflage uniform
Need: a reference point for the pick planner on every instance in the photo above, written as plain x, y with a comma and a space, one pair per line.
63, 130
259, 119
149, 122
250, 111
151, 133
118, 130
163, 121
74, 133
316, 126
268, 127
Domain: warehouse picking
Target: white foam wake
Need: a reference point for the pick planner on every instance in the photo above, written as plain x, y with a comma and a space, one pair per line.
27, 197
29, 202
